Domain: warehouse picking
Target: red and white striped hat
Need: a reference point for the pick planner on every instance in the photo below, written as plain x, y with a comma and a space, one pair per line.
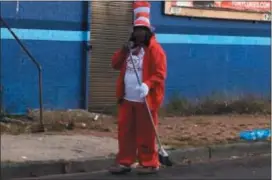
142, 13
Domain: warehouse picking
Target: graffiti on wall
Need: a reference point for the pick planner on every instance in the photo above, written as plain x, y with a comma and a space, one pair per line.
242, 10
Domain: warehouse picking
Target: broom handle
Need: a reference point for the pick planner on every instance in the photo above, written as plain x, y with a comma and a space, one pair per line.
148, 109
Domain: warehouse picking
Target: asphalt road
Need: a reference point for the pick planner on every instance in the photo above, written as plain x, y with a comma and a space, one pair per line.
247, 168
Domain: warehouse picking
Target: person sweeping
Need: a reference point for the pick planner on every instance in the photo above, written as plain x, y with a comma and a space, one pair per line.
145, 56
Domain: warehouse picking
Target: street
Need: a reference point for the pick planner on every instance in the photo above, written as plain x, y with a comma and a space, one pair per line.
246, 168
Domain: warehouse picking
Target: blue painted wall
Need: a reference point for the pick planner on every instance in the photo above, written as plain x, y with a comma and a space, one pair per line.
45, 28
206, 56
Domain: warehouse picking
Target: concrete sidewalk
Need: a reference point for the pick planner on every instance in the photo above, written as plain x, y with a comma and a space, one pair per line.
40, 155
24, 148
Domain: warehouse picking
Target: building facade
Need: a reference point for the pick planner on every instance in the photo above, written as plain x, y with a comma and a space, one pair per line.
231, 57
204, 55
56, 33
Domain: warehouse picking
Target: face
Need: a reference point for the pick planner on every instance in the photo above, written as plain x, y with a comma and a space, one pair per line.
139, 35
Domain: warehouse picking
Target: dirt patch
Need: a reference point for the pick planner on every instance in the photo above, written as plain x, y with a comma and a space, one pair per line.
175, 131
58, 122
203, 130
190, 131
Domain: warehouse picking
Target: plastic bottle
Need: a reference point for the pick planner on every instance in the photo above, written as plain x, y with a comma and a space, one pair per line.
256, 134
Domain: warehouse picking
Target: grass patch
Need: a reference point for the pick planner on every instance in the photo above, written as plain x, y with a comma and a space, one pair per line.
216, 105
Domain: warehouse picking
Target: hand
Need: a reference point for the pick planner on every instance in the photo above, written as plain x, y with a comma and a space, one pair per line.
126, 47
143, 88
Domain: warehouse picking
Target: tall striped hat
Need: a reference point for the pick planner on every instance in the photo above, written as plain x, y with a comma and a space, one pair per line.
142, 13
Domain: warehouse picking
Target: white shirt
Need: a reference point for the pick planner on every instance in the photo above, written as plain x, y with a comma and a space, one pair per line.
131, 82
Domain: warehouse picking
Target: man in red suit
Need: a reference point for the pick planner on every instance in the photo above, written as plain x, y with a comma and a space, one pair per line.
136, 136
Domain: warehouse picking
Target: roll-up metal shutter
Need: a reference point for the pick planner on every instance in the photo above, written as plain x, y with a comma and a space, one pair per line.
111, 23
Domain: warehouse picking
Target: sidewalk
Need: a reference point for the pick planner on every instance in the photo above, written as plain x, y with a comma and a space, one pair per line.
54, 147
40, 155
92, 144
98, 137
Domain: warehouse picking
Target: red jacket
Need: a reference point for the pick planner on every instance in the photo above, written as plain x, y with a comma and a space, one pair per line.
154, 73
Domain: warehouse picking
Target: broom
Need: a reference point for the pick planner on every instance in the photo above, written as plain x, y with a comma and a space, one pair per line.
163, 155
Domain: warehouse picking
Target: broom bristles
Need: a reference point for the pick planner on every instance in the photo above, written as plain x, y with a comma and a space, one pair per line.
165, 160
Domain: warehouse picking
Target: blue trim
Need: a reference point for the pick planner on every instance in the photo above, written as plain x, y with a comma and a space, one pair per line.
47, 35
59, 35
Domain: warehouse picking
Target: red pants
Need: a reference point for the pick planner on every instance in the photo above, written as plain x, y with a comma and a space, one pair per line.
136, 136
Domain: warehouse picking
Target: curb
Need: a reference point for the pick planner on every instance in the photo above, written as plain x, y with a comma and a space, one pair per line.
43, 168
216, 152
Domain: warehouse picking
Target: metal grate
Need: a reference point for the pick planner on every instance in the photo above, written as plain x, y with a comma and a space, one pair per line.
111, 23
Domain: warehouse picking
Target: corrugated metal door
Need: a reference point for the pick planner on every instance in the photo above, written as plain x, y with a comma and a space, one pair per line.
111, 23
